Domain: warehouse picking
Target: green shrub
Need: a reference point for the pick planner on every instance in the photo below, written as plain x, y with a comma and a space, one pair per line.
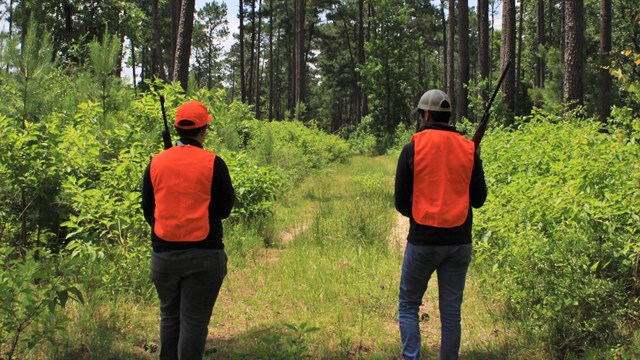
295, 149
559, 230
34, 288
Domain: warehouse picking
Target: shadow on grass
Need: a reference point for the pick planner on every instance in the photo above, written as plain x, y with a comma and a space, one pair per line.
279, 342
276, 342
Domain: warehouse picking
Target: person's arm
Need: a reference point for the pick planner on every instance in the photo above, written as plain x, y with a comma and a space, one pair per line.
222, 194
478, 187
148, 200
404, 181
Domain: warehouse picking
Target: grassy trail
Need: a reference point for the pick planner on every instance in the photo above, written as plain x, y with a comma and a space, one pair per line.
329, 290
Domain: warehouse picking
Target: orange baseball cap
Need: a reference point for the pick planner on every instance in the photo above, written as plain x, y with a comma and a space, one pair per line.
192, 115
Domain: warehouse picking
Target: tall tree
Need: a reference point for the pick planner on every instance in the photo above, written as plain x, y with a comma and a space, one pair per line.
361, 96
483, 44
252, 52
574, 57
157, 67
183, 43
540, 42
176, 8
243, 81
508, 51
211, 29
299, 51
604, 101
271, 60
463, 61
451, 49
257, 61
516, 107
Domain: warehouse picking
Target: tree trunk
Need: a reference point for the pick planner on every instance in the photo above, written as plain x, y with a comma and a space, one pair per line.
516, 107
183, 43
360, 94
157, 64
176, 8
210, 61
508, 51
444, 46
574, 59
243, 81
483, 45
252, 52
463, 61
604, 103
450, 52
271, 90
538, 80
299, 52
257, 102
133, 68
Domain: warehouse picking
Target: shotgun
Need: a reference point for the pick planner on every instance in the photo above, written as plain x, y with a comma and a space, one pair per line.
477, 137
166, 135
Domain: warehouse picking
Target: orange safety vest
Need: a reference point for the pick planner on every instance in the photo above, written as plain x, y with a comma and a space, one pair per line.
443, 163
181, 177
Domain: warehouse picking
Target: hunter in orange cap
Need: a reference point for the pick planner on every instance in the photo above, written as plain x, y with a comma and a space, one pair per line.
186, 192
192, 115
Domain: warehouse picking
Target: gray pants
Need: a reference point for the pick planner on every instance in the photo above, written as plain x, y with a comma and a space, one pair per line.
187, 282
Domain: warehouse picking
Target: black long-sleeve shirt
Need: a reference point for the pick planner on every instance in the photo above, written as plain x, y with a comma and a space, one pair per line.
222, 200
430, 235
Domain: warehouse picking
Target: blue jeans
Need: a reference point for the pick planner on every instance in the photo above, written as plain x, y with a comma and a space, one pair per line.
451, 264
187, 282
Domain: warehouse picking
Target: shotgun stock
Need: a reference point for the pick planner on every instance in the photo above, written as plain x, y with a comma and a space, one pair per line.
166, 135
482, 127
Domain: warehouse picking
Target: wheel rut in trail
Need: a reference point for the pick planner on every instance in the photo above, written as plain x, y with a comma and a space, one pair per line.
398, 235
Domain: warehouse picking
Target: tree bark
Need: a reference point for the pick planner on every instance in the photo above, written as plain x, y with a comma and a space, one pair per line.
483, 45
604, 100
574, 58
183, 43
538, 80
518, 88
451, 26
508, 51
257, 101
252, 52
299, 52
271, 65
360, 94
463, 61
444, 46
157, 65
176, 8
243, 81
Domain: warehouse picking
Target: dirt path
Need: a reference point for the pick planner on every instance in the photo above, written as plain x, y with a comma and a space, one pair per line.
398, 234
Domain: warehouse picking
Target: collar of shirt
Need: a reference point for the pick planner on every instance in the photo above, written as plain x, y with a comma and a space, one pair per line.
189, 141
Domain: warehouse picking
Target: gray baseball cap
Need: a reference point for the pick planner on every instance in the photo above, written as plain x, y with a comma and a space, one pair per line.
433, 100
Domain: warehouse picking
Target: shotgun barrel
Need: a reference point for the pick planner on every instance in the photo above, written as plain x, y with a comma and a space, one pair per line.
166, 135
482, 127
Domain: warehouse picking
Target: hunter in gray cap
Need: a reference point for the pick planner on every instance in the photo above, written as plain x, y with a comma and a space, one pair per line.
433, 100
439, 179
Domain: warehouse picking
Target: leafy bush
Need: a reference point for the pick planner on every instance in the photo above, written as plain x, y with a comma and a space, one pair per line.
294, 149
34, 288
559, 230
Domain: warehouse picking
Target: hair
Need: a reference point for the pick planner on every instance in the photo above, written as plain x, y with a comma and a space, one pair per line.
189, 132
440, 116
436, 116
